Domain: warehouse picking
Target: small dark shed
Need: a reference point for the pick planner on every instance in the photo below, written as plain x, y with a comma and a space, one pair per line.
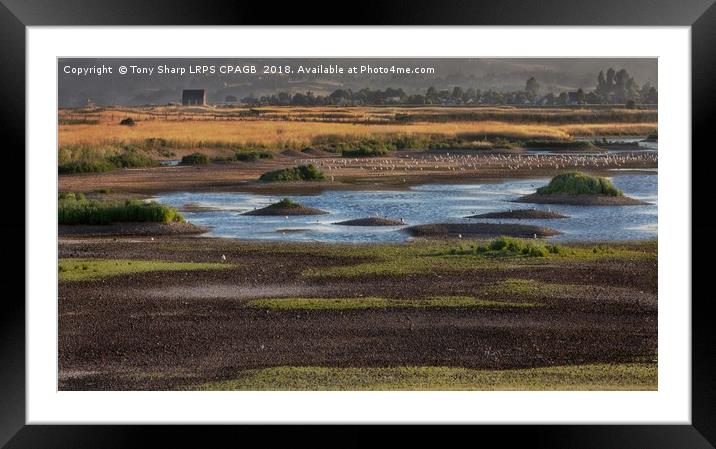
193, 97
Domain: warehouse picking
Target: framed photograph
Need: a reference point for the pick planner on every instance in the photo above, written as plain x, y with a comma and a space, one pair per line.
452, 215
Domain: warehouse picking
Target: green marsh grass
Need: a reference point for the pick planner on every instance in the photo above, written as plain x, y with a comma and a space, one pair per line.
91, 269
594, 377
434, 256
75, 210
300, 173
578, 183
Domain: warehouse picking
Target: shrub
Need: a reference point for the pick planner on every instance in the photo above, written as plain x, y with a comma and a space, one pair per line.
131, 158
100, 158
195, 159
74, 210
252, 156
577, 183
285, 204
300, 173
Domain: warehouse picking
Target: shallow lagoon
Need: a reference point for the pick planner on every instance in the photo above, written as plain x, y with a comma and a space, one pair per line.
428, 203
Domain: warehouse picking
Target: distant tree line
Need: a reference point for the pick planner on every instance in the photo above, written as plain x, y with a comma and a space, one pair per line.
613, 87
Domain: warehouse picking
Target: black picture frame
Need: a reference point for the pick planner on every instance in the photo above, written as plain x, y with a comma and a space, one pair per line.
16, 15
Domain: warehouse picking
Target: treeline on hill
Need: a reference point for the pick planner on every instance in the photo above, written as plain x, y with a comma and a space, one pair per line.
612, 87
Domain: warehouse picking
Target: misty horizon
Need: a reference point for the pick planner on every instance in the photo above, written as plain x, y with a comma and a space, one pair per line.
79, 87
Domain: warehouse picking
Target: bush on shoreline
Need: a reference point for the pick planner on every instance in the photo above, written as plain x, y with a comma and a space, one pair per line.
76, 210
251, 156
285, 203
300, 173
98, 159
578, 183
195, 159
131, 158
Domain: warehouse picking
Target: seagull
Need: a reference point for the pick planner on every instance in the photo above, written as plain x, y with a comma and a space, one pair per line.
223, 257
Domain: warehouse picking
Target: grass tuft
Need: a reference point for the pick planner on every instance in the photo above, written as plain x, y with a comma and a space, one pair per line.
195, 159
91, 269
300, 173
75, 209
578, 183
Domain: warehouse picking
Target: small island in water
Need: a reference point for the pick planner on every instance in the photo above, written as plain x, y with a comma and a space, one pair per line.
521, 214
371, 221
286, 207
581, 189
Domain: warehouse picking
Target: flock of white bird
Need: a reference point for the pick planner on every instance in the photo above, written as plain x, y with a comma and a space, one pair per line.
475, 163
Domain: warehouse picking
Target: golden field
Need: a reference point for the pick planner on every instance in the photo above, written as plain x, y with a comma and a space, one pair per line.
198, 133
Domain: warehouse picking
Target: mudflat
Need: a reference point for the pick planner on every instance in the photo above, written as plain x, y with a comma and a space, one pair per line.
205, 322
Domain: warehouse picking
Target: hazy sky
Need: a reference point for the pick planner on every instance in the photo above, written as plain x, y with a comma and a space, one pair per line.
160, 81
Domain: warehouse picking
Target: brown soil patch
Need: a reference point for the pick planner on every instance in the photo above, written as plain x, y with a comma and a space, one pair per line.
452, 230
580, 200
132, 229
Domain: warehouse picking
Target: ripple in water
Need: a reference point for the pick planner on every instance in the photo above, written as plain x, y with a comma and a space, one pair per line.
429, 203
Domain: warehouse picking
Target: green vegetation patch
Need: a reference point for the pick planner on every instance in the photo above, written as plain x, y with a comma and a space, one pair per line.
352, 146
557, 144
100, 158
131, 158
435, 256
90, 269
285, 203
508, 247
378, 303
578, 183
624, 376
300, 173
76, 209
195, 159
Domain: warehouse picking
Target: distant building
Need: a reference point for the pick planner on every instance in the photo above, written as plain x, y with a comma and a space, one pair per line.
193, 97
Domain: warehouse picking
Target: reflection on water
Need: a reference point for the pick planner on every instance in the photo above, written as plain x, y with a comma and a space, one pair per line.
429, 203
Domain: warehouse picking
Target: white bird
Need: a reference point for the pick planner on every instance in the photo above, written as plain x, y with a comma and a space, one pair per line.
223, 257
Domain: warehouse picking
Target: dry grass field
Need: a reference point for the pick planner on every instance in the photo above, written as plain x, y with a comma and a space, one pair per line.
292, 127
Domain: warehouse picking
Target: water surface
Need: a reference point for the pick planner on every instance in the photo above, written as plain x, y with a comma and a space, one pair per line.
423, 204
